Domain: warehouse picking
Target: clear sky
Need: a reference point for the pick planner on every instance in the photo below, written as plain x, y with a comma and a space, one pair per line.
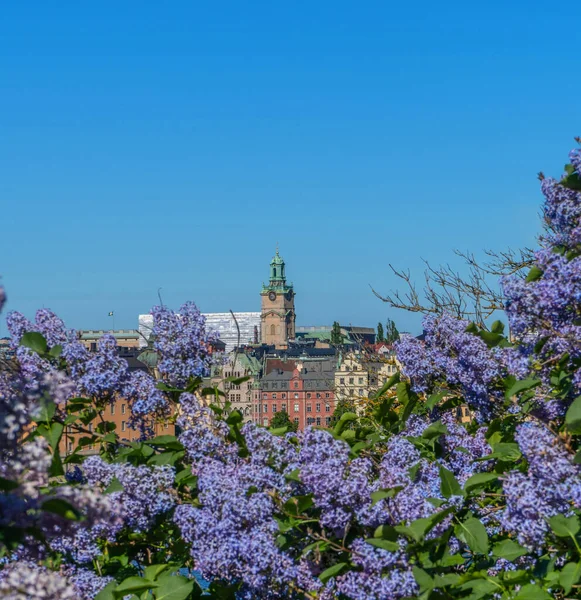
173, 144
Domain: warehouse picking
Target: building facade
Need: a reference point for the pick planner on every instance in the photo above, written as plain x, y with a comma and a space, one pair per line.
359, 374
278, 307
304, 390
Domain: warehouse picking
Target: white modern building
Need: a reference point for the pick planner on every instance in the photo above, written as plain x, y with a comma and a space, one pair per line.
223, 323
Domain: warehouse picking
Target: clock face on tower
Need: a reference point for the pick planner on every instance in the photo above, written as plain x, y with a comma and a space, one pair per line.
272, 296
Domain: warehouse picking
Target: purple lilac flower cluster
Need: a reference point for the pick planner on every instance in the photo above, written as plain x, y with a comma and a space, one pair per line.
381, 574
27, 581
548, 307
451, 354
146, 490
233, 533
182, 342
341, 487
551, 485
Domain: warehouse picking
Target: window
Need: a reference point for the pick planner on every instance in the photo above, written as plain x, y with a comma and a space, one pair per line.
318, 407
351, 380
296, 420
309, 407
274, 409
283, 396
308, 394
361, 381
360, 392
70, 446
265, 421
296, 407
122, 425
91, 427
327, 395
327, 407
123, 407
274, 396
264, 396
351, 392
112, 409
327, 421
296, 395
283, 407
310, 421
318, 421
272, 330
318, 395
266, 408
342, 380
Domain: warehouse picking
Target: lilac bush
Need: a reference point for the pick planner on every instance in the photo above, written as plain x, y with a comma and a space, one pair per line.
404, 501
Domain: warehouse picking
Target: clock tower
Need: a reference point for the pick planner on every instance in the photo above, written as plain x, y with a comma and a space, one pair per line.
278, 307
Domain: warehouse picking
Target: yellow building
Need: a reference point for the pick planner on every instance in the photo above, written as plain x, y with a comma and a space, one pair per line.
359, 374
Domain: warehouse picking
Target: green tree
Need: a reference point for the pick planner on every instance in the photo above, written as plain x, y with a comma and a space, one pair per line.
391, 332
281, 419
336, 335
379, 337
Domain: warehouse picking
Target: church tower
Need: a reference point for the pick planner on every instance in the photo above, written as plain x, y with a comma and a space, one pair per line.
278, 307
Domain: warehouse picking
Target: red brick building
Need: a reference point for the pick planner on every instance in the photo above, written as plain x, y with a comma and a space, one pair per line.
303, 389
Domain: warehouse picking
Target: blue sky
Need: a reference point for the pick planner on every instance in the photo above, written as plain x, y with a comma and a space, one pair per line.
148, 144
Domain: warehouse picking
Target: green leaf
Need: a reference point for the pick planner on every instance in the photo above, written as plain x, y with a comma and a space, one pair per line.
35, 341
569, 576
298, 504
293, 475
505, 451
449, 484
388, 384
532, 591
434, 399
479, 480
7, 485
152, 572
423, 579
107, 592
55, 351
173, 587
61, 507
564, 526
114, 486
133, 585
521, 386
573, 416
534, 274
442, 581
435, 430
235, 417
383, 544
508, 549
497, 327
474, 534
491, 339
332, 571
382, 494
386, 532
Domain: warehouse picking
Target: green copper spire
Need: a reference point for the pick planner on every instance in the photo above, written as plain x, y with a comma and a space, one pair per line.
277, 276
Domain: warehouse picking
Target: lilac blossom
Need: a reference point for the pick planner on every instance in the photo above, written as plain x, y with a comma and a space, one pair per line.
27, 581
146, 490
182, 342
